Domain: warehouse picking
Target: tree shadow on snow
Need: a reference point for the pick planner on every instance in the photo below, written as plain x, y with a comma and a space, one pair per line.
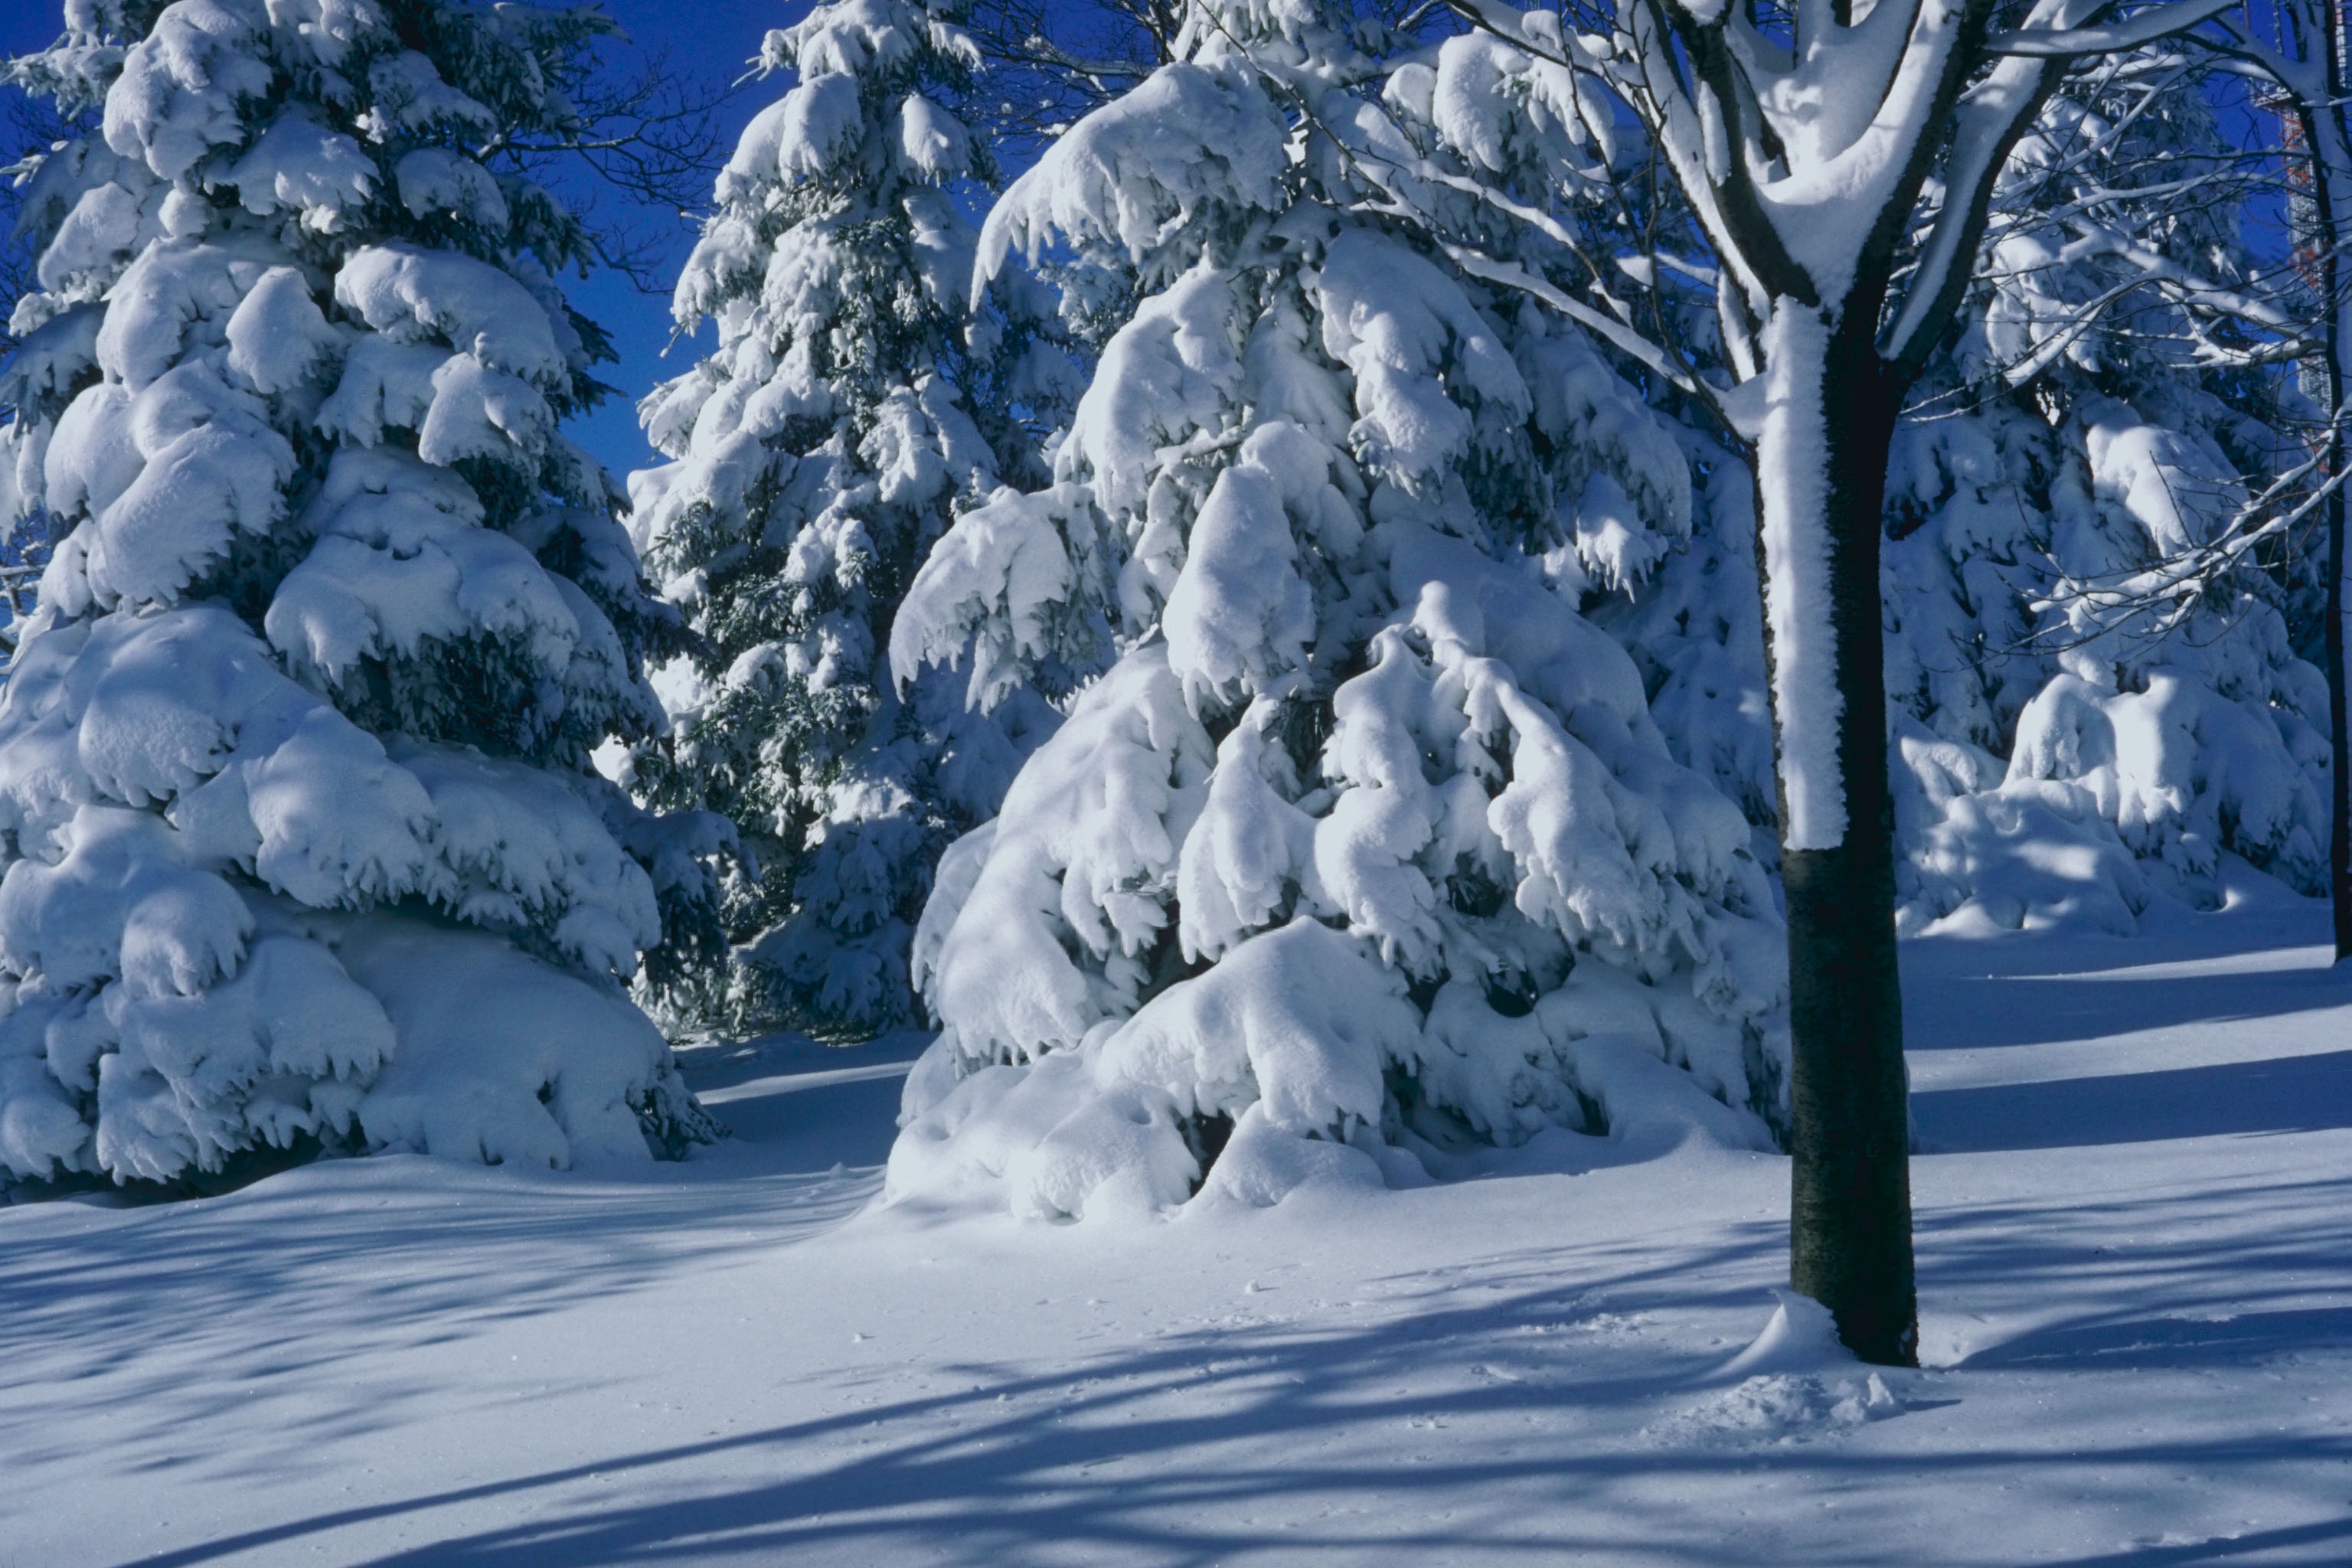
2185, 1341
722, 1065
1196, 1448
1159, 1453
1961, 1011
259, 1285
2264, 918
2263, 1544
2267, 957
2281, 1094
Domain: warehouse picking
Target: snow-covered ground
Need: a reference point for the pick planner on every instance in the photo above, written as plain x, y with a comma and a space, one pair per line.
2135, 1236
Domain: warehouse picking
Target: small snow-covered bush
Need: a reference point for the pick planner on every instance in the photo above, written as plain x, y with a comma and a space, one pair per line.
300, 841
1363, 844
2123, 744
852, 400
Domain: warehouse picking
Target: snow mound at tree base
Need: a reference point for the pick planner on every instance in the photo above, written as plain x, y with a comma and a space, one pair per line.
1795, 1382
1784, 1407
1297, 1062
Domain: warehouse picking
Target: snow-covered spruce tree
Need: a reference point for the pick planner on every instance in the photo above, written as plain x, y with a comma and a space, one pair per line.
2298, 50
1363, 844
851, 402
301, 845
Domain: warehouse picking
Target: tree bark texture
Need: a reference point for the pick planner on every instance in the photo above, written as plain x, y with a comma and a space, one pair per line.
2331, 169
1850, 1210
2339, 684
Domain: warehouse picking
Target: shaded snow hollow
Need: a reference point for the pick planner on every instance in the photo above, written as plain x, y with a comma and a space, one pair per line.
2135, 1248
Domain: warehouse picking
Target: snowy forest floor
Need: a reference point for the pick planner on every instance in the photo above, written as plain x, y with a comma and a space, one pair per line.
2135, 1205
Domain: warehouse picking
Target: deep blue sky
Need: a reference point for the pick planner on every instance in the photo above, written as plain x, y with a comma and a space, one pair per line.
716, 38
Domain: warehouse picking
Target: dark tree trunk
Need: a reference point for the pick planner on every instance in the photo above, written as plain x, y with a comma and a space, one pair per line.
1850, 1210
2325, 141
2339, 707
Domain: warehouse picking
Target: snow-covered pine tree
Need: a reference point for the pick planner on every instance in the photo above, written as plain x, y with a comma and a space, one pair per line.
2193, 727
1364, 837
852, 402
301, 844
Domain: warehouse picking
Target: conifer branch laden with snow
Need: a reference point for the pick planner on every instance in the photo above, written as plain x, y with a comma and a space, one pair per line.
852, 401
1363, 849
301, 844
2296, 48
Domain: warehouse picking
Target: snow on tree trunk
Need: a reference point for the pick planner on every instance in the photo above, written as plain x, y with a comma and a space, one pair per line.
851, 402
1800, 542
1821, 486
301, 844
1363, 851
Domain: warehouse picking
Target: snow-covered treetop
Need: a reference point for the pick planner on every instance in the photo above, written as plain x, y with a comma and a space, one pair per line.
836, 268
283, 245
1228, 205
865, 125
